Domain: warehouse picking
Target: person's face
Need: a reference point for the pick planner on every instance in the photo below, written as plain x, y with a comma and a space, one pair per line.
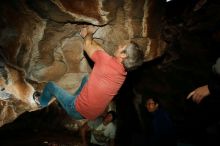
151, 105
108, 118
120, 52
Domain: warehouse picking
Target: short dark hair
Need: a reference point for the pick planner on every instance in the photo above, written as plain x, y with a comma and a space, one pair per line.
135, 56
154, 98
113, 113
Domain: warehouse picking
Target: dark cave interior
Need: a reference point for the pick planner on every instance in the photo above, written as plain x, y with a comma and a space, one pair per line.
193, 39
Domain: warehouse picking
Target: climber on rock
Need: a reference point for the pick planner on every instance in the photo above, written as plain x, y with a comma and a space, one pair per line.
105, 80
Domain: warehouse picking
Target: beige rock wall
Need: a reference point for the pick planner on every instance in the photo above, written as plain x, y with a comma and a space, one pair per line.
40, 41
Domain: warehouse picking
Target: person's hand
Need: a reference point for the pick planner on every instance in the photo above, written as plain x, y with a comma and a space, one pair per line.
83, 32
90, 29
199, 93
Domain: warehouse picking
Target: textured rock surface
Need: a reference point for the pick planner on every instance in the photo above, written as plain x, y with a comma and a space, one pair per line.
190, 28
40, 40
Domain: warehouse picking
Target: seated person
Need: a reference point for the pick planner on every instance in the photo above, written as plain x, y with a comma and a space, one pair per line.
102, 131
